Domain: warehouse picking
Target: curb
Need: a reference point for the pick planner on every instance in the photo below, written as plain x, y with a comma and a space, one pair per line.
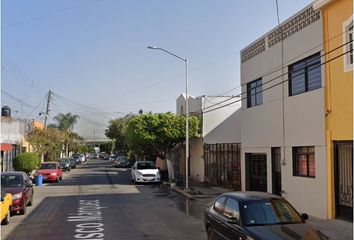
182, 192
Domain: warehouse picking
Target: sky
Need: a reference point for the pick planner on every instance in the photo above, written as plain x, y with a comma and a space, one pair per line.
93, 55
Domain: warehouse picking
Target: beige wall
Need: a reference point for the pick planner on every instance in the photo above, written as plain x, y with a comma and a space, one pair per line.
196, 160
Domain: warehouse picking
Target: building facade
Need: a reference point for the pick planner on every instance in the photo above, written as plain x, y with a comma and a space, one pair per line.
338, 50
215, 156
283, 120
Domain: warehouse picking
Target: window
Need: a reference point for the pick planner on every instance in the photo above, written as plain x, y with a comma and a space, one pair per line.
305, 75
219, 204
348, 44
254, 93
304, 161
232, 209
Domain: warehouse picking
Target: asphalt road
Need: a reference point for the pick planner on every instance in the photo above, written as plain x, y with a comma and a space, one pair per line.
97, 201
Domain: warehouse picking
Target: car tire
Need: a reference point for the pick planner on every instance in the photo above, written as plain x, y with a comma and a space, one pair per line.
24, 208
210, 233
61, 177
57, 180
30, 203
6, 220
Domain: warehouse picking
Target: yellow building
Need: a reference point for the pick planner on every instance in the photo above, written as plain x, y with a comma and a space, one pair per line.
337, 18
26, 146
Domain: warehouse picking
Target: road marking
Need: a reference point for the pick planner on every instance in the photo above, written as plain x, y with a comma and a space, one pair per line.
90, 217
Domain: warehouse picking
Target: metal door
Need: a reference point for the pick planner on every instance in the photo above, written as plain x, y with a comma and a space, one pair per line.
256, 172
343, 152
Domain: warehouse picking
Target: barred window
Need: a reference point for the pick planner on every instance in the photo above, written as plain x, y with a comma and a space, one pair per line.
304, 161
305, 75
254, 93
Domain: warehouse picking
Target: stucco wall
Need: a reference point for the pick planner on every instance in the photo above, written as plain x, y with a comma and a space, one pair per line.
302, 116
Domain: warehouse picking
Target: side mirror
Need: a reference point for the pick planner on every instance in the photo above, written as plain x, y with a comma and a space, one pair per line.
304, 216
29, 185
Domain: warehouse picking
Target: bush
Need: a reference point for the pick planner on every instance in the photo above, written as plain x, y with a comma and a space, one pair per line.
26, 162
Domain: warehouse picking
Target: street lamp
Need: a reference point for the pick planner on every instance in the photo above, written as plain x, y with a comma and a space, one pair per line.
185, 60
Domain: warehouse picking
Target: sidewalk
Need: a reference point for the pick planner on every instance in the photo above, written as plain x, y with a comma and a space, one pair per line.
333, 228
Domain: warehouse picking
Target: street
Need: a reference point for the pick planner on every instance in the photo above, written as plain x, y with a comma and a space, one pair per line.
97, 201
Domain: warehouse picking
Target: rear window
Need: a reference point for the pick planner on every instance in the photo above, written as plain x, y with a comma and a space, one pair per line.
48, 166
11, 181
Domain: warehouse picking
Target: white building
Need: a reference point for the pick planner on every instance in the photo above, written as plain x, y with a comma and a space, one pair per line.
283, 127
220, 128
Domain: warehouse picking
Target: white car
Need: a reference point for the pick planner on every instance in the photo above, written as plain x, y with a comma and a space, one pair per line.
145, 171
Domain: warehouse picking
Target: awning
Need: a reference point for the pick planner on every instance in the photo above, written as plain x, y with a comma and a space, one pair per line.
6, 147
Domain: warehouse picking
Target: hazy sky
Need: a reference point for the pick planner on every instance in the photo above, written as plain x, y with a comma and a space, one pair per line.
93, 53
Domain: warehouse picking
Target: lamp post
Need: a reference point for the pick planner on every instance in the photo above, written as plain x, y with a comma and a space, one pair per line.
185, 60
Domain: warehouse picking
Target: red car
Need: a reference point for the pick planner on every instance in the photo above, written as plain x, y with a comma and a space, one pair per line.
21, 188
50, 171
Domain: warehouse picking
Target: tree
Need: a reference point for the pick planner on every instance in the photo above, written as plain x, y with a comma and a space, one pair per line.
66, 122
26, 162
117, 131
46, 141
156, 134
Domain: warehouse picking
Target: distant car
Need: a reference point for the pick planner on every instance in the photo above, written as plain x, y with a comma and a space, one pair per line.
112, 158
145, 171
73, 162
77, 158
6, 203
121, 161
21, 188
50, 171
65, 164
256, 215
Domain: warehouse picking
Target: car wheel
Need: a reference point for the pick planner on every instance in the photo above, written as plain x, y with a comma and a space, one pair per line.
210, 233
57, 180
61, 177
6, 220
30, 203
24, 208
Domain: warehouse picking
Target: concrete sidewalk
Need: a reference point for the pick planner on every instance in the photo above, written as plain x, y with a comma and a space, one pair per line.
333, 228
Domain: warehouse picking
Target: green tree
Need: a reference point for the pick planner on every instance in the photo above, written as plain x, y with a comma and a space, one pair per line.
117, 131
66, 122
46, 141
26, 162
156, 134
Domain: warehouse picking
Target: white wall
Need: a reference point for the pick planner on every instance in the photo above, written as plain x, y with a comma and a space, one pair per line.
304, 125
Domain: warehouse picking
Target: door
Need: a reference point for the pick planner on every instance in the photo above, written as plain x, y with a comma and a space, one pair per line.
343, 162
256, 172
276, 171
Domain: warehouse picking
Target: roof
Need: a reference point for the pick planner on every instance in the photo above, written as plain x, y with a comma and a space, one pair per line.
251, 196
13, 173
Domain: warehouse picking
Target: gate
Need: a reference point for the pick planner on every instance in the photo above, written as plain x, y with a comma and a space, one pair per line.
256, 172
343, 162
222, 164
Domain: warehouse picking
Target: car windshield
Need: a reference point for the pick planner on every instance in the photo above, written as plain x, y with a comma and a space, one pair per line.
11, 181
269, 212
146, 165
64, 161
47, 166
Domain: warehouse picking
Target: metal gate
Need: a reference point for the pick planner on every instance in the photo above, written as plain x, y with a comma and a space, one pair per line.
344, 179
222, 164
256, 172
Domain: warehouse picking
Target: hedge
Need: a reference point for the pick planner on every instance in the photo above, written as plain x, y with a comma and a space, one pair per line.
26, 162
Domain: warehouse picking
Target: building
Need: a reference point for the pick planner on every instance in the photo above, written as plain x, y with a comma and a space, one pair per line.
13, 142
338, 40
283, 147
215, 156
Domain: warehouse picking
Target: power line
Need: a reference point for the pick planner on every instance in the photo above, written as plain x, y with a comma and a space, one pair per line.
275, 78
50, 14
17, 99
270, 87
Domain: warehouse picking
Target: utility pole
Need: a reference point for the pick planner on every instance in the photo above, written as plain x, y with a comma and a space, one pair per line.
47, 109
46, 118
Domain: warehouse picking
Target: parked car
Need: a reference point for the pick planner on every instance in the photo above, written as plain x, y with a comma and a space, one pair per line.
256, 215
121, 161
50, 171
65, 164
77, 158
112, 158
73, 162
6, 203
145, 171
21, 188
